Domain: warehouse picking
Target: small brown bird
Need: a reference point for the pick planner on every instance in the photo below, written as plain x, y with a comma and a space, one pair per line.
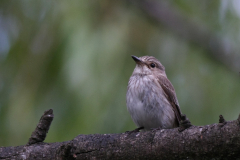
151, 98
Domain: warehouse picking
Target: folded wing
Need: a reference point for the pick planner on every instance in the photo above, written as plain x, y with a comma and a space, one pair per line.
170, 95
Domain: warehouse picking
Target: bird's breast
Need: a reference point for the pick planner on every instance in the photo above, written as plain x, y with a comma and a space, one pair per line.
147, 103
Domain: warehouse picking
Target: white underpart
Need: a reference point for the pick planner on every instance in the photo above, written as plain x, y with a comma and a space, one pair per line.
146, 102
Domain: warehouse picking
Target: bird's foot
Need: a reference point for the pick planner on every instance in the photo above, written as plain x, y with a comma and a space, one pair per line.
155, 129
135, 130
184, 123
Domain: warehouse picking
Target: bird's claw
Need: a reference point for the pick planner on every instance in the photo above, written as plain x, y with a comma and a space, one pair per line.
135, 130
155, 129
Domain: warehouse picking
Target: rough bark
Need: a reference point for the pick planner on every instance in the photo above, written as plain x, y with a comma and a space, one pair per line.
42, 128
216, 141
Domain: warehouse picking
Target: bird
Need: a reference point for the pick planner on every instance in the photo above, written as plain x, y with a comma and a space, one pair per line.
151, 99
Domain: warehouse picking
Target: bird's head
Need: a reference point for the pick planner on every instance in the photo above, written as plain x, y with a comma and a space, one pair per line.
148, 65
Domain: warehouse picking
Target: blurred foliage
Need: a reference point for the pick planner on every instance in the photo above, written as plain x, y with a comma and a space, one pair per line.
74, 57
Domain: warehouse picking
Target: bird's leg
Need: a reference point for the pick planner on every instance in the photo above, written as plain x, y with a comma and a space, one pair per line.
184, 123
135, 130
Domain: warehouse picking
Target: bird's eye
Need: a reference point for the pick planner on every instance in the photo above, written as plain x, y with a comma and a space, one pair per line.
152, 65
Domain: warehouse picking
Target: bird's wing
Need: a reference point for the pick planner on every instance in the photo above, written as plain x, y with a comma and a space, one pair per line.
170, 95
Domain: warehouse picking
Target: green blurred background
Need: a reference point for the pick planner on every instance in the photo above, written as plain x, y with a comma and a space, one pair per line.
74, 57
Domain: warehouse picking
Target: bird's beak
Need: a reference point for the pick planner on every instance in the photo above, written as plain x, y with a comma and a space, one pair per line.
137, 60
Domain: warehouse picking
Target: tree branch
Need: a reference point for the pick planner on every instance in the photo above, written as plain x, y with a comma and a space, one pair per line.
42, 128
219, 141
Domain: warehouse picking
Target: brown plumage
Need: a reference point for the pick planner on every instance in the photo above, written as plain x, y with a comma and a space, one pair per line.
151, 98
